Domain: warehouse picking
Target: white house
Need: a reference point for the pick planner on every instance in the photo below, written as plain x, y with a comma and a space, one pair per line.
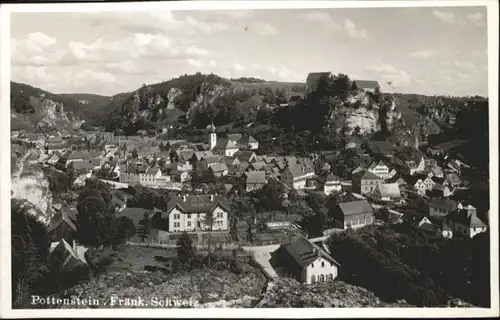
332, 184
465, 222
295, 176
305, 261
188, 213
379, 169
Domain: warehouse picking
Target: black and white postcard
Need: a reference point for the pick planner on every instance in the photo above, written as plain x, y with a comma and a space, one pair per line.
250, 158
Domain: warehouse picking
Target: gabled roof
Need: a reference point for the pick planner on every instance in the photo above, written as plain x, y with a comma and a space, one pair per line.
466, 217
366, 84
297, 171
331, 178
82, 165
449, 205
219, 167
203, 154
245, 156
374, 164
186, 155
452, 177
366, 175
355, 207
305, 252
256, 177
198, 203
257, 165
316, 76
152, 171
60, 218
212, 159
226, 144
389, 190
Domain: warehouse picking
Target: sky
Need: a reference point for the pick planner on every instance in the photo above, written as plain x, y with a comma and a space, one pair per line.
434, 50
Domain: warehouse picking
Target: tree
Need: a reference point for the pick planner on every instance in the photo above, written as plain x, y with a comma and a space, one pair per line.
208, 220
144, 227
185, 249
96, 213
124, 230
30, 249
135, 155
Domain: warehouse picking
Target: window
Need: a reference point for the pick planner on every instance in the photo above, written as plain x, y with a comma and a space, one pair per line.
313, 279
322, 264
220, 215
330, 277
312, 265
322, 278
189, 223
177, 224
189, 215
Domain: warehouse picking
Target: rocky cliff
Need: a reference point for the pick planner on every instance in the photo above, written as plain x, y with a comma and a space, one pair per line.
33, 109
28, 183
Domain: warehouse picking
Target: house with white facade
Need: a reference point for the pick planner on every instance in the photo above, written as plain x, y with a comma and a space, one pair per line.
387, 192
332, 184
379, 169
188, 213
295, 176
305, 262
465, 222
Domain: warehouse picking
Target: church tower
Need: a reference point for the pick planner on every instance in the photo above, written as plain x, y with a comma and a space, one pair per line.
212, 136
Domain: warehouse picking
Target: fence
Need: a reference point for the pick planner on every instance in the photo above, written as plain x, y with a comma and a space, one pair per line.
215, 245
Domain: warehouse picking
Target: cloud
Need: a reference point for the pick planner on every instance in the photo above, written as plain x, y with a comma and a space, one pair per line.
450, 18
212, 63
194, 63
476, 19
263, 28
423, 54
322, 18
447, 17
460, 65
37, 49
239, 67
123, 67
381, 67
348, 28
392, 76
353, 31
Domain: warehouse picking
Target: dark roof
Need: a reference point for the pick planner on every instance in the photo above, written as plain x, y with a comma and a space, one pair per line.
218, 167
332, 177
443, 204
59, 219
57, 146
466, 217
429, 227
366, 175
258, 177
245, 156
152, 171
80, 165
199, 203
298, 171
355, 207
305, 252
366, 84
315, 76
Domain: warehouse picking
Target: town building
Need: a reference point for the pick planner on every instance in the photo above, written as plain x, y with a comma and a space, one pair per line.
305, 262
379, 169
332, 184
67, 257
219, 170
254, 180
442, 207
295, 176
314, 79
188, 213
366, 85
465, 222
353, 214
387, 192
364, 182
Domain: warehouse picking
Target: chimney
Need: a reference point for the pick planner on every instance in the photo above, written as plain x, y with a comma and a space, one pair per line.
74, 246
212, 197
184, 198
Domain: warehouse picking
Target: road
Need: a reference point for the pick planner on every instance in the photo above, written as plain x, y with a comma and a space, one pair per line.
262, 255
